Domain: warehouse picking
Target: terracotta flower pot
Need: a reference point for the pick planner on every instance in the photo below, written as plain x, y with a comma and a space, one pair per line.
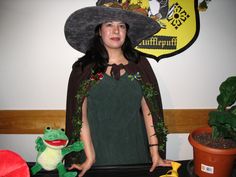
211, 162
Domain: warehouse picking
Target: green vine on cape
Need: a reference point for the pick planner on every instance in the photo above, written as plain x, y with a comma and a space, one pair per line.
80, 96
150, 94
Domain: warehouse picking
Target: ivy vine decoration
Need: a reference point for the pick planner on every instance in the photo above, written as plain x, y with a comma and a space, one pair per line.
150, 94
80, 96
136, 76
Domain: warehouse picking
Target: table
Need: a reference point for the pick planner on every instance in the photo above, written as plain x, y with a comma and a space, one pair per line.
142, 170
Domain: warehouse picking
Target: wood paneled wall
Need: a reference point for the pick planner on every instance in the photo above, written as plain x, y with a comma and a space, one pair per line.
34, 121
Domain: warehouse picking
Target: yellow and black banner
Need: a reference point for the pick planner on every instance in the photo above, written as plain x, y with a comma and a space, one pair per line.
180, 28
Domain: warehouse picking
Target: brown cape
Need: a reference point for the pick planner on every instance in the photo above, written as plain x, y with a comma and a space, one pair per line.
78, 75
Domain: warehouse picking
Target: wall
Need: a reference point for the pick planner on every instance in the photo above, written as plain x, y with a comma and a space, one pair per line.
36, 62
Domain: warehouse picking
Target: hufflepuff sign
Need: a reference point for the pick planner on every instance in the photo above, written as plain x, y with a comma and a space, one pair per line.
179, 20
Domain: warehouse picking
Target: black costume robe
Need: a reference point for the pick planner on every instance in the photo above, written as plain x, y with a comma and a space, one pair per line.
78, 75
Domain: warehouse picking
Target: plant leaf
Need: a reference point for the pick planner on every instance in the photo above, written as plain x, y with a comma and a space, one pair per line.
227, 95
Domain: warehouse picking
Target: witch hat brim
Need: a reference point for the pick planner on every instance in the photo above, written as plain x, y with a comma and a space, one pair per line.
80, 26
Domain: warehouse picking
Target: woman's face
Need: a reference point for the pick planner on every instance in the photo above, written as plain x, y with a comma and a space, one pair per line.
113, 34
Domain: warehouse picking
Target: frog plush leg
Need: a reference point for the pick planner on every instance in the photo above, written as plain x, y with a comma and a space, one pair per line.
36, 168
63, 173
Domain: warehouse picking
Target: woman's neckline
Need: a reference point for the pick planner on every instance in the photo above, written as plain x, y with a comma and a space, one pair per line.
116, 70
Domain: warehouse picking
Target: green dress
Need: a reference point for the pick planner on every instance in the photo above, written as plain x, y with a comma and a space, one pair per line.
116, 124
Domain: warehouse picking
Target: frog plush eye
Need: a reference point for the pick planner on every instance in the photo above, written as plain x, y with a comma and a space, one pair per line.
48, 129
62, 129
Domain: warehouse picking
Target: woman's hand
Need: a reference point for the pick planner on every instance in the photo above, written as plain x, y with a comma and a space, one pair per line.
157, 160
84, 167
88, 144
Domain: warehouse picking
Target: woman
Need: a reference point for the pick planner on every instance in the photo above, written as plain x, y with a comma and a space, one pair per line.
108, 87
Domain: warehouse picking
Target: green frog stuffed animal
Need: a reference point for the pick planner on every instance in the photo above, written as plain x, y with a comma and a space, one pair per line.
52, 147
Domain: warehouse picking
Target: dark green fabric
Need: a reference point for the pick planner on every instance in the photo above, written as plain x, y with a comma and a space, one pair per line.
116, 126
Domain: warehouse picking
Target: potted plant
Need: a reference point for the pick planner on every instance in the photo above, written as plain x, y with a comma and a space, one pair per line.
214, 146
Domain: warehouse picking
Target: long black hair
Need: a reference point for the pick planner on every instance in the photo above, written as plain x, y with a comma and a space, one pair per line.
98, 55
